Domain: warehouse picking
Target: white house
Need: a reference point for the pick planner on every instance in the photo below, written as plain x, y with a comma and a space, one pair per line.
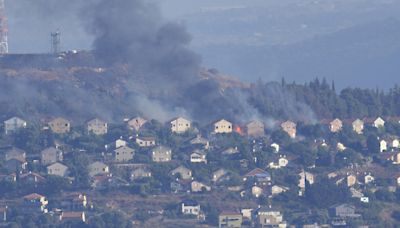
57, 169
276, 189
97, 168
14, 124
282, 162
358, 126
395, 143
120, 142
198, 157
378, 122
97, 126
190, 207
368, 178
146, 141
198, 187
180, 125
222, 126
382, 145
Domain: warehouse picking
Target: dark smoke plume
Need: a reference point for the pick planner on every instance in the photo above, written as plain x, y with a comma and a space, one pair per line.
140, 65
133, 32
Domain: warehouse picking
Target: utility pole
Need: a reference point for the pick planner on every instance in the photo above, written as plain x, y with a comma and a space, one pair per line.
3, 30
55, 42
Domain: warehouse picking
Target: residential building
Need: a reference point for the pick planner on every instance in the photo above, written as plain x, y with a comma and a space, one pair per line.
368, 178
98, 168
161, 154
31, 178
180, 125
13, 124
383, 145
137, 123
15, 153
57, 169
230, 219
73, 216
222, 126
123, 154
183, 172
201, 141
358, 126
139, 173
230, 151
267, 217
276, 189
120, 142
255, 129
97, 127
282, 161
258, 175
343, 210
290, 128
35, 203
60, 125
146, 141
74, 201
15, 160
379, 122
198, 156
14, 165
396, 143
335, 125
190, 207
351, 180
340, 147
219, 174
197, 186
305, 176
51, 155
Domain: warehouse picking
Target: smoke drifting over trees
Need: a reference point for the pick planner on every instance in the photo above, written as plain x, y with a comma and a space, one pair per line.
142, 65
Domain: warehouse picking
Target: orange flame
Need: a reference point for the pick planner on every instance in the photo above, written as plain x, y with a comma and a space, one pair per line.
239, 130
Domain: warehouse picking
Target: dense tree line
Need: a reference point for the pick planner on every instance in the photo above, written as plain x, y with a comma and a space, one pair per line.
291, 100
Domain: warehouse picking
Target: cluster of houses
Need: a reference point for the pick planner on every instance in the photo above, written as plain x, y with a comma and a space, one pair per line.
120, 154
73, 206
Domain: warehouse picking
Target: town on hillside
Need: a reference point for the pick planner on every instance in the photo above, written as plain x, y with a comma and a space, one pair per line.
144, 173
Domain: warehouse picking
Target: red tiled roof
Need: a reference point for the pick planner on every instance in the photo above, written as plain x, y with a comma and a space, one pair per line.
32, 174
33, 196
255, 172
72, 215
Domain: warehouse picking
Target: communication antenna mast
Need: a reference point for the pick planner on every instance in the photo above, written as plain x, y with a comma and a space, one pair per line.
55, 42
3, 29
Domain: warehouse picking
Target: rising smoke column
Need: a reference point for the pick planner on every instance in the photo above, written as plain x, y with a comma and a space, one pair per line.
133, 32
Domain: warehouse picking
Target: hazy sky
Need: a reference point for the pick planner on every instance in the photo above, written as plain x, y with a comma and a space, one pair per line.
236, 36
30, 27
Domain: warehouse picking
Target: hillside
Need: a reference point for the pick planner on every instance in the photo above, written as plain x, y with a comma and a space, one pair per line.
354, 56
76, 86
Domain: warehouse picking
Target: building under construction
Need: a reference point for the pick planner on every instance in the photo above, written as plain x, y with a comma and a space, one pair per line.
3, 30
